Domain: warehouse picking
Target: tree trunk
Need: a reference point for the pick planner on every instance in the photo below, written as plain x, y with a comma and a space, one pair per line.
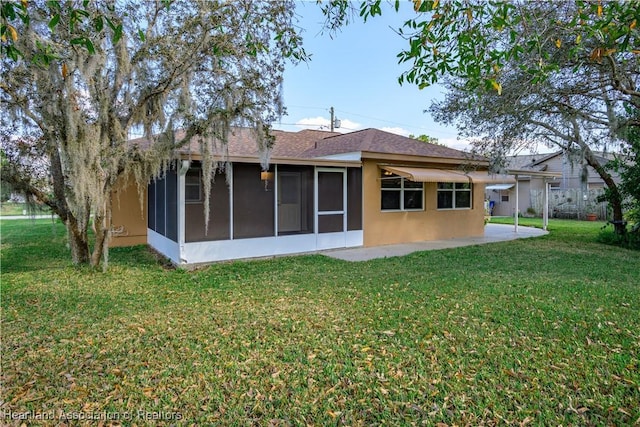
102, 224
78, 241
614, 198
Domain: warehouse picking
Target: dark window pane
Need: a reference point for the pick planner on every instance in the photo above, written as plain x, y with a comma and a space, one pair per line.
445, 199
462, 185
330, 191
412, 184
463, 199
412, 199
330, 223
445, 185
390, 200
393, 182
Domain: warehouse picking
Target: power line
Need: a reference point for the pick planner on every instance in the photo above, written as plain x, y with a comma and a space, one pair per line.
394, 123
404, 125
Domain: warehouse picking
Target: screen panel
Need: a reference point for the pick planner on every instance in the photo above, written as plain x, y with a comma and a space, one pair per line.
253, 202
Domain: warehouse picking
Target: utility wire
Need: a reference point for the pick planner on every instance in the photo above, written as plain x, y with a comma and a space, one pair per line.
392, 122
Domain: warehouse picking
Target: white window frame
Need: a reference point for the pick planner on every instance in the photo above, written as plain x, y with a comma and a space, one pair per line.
454, 191
401, 190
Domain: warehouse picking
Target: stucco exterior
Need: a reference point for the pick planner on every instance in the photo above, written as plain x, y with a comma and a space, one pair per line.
345, 204
391, 227
129, 218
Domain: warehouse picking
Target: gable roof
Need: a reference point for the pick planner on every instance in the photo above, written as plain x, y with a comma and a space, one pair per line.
316, 144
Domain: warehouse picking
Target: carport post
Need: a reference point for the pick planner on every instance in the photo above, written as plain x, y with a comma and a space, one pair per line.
515, 213
545, 212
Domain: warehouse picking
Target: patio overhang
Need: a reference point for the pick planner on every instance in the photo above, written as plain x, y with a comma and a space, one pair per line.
426, 175
448, 175
499, 186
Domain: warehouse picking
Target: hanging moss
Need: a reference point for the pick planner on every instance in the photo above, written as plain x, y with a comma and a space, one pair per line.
200, 68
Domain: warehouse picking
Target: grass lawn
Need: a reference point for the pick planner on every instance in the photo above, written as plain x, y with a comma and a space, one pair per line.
10, 208
541, 331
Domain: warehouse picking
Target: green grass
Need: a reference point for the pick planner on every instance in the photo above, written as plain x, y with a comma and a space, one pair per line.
542, 331
11, 209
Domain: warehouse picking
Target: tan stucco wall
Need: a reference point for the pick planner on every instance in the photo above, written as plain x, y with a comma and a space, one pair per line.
383, 228
127, 213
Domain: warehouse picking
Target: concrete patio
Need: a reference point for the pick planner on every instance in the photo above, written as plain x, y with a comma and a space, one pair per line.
492, 233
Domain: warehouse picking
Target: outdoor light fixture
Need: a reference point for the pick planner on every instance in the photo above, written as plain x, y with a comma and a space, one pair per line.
266, 176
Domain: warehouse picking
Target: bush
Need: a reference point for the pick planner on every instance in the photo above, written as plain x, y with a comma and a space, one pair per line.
630, 239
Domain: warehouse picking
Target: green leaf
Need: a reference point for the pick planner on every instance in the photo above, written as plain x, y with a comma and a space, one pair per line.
54, 5
54, 21
141, 35
98, 23
110, 24
77, 40
117, 34
12, 52
7, 11
89, 46
81, 12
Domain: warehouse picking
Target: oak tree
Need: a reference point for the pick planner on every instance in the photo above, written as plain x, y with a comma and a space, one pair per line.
114, 68
557, 72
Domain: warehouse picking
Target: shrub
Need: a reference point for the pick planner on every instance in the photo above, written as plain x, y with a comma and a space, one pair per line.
630, 239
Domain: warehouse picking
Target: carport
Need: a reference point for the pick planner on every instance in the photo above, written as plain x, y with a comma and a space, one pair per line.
546, 177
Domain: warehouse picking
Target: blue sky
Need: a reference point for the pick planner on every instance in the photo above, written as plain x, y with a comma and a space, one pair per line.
357, 73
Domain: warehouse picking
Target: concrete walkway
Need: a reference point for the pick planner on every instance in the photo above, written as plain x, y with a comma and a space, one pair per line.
492, 233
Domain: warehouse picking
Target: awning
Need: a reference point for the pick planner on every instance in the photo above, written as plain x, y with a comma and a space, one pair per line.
487, 178
427, 175
499, 186
447, 175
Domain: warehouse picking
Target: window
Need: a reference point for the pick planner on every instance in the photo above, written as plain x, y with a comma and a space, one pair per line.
504, 198
454, 195
192, 186
400, 194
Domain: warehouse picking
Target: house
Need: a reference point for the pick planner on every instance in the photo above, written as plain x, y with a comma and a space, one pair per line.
573, 190
322, 191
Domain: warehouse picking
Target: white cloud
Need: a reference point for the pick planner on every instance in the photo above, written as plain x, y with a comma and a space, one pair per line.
396, 130
313, 122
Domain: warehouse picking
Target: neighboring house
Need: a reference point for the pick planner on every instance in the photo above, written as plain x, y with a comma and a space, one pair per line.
322, 191
573, 190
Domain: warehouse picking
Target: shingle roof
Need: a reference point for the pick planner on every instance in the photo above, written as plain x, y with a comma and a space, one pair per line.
377, 141
309, 144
